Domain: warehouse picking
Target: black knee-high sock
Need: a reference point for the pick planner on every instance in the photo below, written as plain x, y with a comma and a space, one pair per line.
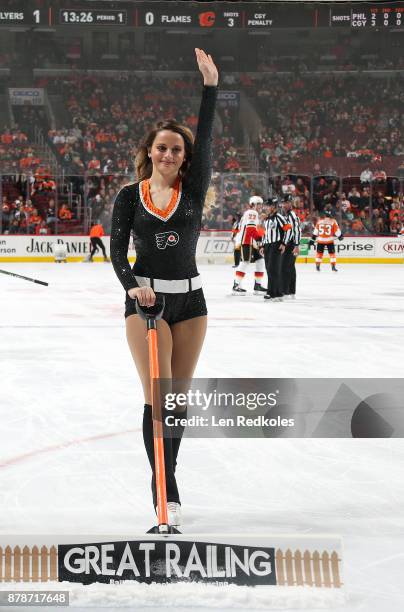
177, 435
171, 484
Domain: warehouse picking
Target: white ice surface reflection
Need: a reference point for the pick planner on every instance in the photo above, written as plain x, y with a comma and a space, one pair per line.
72, 457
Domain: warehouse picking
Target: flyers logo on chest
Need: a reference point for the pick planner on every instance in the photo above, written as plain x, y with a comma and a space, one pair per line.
164, 239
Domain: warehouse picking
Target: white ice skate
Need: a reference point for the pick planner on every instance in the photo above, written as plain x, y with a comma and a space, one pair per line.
174, 514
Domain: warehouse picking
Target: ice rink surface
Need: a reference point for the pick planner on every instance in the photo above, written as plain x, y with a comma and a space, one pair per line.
71, 453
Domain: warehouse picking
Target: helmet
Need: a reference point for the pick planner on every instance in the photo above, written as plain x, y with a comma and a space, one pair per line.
274, 201
255, 200
287, 197
328, 213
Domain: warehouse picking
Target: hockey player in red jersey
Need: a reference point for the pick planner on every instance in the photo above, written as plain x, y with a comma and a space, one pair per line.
250, 232
326, 230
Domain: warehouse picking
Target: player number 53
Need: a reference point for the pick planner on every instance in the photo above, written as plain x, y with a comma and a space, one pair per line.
325, 228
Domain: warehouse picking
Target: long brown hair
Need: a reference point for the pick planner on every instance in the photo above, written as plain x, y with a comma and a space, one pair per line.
143, 163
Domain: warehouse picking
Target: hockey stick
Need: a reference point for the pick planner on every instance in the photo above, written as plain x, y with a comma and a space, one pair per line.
33, 280
151, 315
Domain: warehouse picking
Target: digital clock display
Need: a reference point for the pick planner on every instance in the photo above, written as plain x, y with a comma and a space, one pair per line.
92, 17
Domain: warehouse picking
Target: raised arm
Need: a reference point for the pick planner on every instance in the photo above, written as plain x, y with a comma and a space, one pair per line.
122, 222
200, 170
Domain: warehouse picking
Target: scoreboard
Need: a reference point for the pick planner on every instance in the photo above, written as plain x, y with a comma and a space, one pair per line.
92, 17
214, 15
362, 16
226, 15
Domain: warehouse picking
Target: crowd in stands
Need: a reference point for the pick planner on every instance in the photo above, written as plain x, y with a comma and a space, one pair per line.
340, 57
35, 204
17, 154
354, 120
104, 125
22, 217
361, 207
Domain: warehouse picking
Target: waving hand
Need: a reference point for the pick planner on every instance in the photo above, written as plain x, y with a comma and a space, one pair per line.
207, 67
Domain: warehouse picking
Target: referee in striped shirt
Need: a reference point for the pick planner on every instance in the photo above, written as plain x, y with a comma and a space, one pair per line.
274, 243
288, 270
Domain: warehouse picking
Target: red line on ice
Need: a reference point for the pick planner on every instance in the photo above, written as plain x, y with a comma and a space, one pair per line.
56, 447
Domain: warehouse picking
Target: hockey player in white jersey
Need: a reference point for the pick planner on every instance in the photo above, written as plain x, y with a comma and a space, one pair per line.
250, 232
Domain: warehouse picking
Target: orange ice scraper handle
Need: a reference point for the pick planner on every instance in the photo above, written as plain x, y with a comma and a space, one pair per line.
157, 429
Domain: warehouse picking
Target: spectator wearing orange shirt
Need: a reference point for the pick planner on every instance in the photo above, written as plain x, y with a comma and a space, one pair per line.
94, 164
96, 232
395, 225
232, 164
34, 220
395, 209
357, 227
7, 138
65, 213
5, 215
29, 161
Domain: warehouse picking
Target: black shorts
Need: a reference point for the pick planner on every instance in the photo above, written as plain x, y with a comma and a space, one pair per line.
330, 248
179, 306
250, 253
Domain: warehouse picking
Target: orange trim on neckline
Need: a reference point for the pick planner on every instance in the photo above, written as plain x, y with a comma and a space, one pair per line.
154, 209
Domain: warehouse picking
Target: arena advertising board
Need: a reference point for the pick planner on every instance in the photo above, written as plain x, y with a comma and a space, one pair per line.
228, 99
214, 247
23, 96
305, 561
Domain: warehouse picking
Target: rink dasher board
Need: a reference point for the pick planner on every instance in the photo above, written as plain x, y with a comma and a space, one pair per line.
214, 248
231, 559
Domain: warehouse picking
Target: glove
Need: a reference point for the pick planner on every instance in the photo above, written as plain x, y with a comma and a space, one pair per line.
311, 242
341, 237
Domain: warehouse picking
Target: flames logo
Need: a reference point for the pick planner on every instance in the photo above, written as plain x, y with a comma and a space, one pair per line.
165, 239
207, 20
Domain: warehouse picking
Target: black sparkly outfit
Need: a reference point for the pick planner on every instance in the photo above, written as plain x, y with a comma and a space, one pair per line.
166, 248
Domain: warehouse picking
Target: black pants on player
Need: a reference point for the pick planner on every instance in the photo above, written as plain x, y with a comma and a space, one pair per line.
330, 248
288, 271
273, 262
95, 243
237, 256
